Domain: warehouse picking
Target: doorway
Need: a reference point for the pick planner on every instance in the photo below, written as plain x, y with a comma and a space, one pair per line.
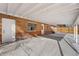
8, 30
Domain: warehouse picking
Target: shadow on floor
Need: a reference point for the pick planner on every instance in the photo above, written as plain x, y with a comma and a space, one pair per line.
54, 36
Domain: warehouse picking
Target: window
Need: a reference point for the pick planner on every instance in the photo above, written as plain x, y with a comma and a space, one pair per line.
31, 27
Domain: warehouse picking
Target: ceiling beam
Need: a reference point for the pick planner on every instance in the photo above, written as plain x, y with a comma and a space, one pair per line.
75, 18
32, 9
19, 6
6, 10
43, 9
56, 9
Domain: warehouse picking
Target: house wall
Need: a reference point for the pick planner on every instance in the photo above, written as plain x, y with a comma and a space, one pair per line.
65, 29
22, 25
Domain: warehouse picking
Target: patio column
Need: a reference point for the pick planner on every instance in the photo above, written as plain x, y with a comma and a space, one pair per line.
76, 33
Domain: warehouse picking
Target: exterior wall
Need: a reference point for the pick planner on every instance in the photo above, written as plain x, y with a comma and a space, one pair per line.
65, 29
21, 26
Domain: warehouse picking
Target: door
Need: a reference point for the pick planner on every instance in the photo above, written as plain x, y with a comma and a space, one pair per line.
8, 30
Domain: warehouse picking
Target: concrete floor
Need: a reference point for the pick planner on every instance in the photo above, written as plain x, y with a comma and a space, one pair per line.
37, 46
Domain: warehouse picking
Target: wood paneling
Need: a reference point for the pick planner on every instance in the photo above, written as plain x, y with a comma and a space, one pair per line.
65, 29
48, 29
22, 26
